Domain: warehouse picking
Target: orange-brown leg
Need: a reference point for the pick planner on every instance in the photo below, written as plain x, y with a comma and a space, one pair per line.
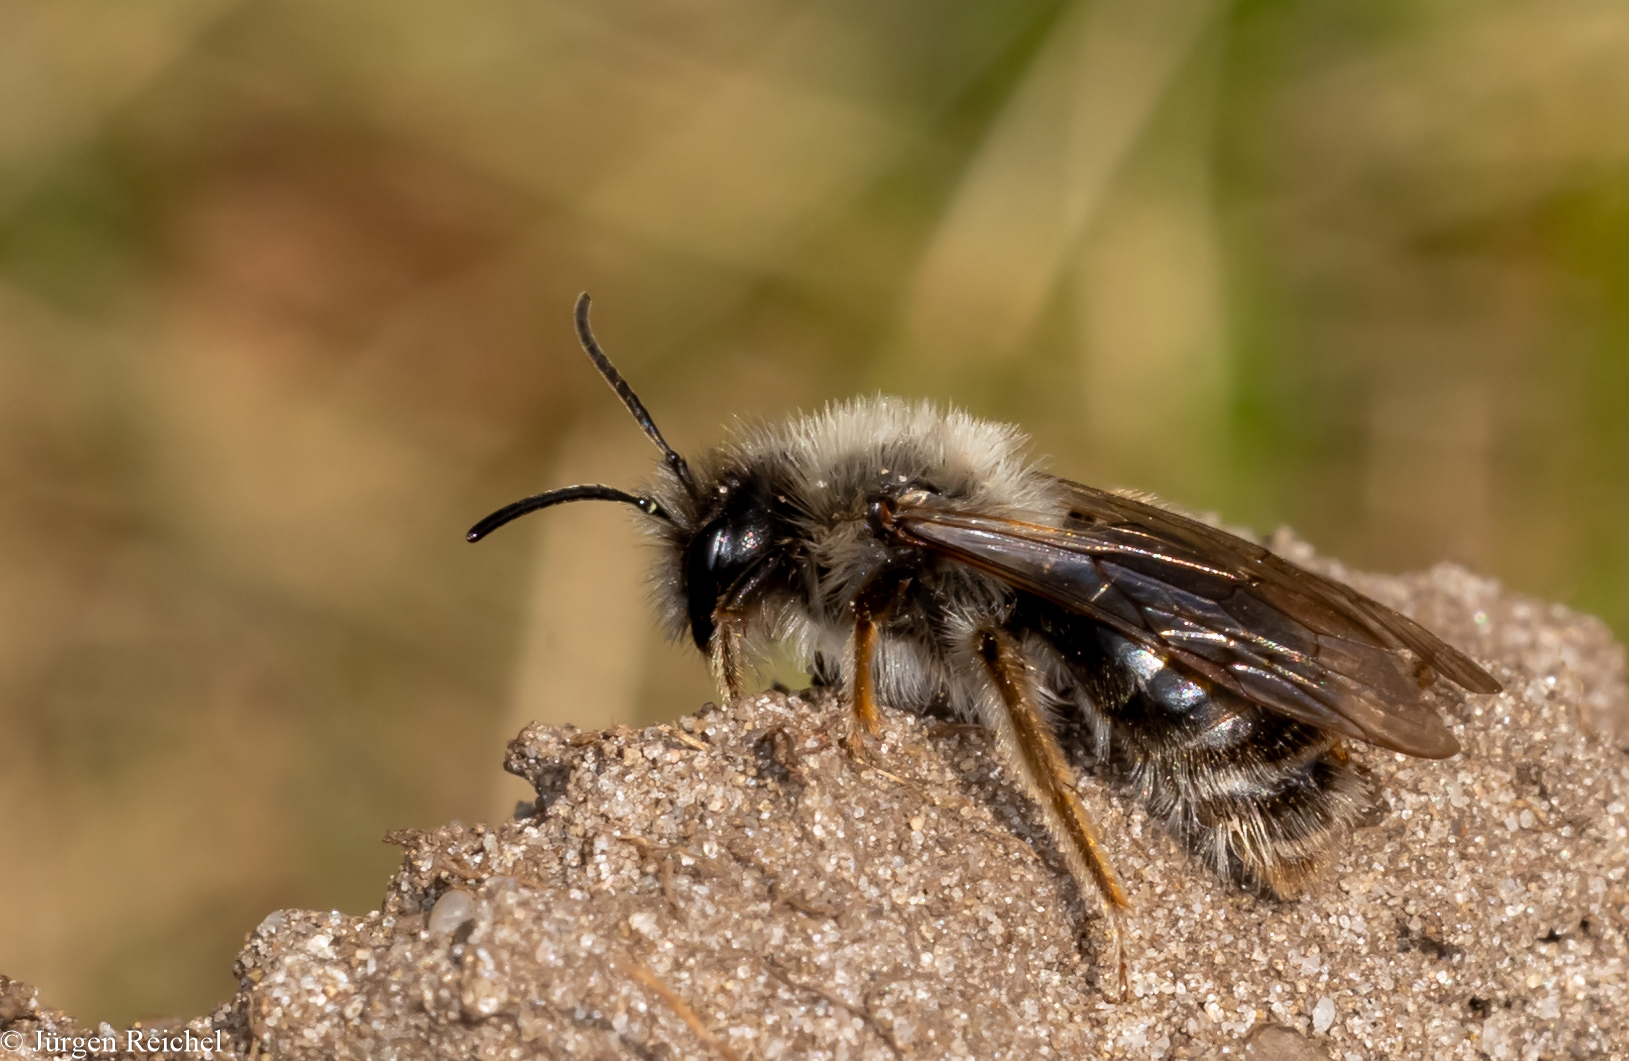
865, 685
1027, 740
869, 606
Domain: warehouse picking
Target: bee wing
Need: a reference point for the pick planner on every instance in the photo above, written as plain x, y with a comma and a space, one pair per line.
1343, 607
1221, 607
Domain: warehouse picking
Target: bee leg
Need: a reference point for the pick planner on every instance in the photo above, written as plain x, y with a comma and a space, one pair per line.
865, 686
727, 654
730, 625
868, 721
871, 604
1026, 738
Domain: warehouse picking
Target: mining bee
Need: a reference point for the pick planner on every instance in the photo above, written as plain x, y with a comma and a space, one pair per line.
916, 556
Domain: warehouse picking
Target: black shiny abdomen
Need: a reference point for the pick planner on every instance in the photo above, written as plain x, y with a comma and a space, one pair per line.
1254, 794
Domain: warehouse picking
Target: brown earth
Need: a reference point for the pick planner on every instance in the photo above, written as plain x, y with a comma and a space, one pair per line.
737, 885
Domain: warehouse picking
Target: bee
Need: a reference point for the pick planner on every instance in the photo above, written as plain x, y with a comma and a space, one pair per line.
917, 557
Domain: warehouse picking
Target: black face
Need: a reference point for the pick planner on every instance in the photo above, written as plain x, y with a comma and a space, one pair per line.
730, 559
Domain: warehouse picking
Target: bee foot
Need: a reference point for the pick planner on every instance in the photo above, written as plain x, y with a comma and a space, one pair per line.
1117, 955
854, 743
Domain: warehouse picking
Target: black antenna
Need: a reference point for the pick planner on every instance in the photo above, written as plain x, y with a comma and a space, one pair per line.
592, 492
585, 335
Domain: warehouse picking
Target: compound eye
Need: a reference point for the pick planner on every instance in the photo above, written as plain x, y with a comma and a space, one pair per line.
701, 585
714, 543
734, 548
735, 542
724, 551
714, 562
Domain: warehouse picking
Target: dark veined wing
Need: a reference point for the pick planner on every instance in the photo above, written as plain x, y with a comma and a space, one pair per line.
1221, 607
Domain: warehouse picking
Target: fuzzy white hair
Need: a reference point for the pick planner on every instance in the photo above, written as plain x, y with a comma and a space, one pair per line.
826, 465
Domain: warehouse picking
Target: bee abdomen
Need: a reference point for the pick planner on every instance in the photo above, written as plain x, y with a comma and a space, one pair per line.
1258, 797
1264, 820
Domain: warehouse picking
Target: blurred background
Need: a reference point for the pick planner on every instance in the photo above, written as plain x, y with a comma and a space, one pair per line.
285, 298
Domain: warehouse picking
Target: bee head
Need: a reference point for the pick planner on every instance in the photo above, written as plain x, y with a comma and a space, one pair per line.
731, 558
725, 561
724, 534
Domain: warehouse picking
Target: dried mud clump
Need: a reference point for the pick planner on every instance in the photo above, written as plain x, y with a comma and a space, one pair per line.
738, 885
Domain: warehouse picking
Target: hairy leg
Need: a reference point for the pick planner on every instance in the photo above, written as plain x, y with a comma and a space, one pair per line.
1030, 746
